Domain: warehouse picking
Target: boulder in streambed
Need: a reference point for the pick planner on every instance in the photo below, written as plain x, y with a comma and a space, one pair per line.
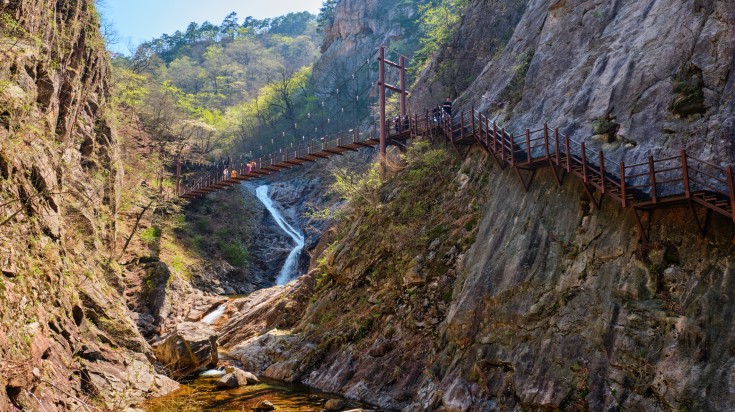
235, 377
334, 404
187, 349
264, 406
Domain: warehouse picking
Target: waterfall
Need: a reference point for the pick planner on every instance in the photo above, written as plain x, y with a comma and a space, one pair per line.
288, 271
215, 314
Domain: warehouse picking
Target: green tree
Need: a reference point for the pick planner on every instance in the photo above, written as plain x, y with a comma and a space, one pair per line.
326, 14
438, 20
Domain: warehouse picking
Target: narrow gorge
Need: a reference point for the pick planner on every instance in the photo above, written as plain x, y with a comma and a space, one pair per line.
207, 223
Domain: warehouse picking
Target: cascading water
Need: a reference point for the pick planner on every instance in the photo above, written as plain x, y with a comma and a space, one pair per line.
288, 271
215, 314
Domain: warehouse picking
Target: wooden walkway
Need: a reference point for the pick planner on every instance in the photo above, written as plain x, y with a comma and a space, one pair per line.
215, 179
681, 180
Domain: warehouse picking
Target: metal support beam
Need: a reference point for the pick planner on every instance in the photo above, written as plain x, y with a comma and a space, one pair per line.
383, 122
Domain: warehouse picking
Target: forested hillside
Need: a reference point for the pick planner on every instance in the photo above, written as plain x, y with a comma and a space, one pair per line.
210, 88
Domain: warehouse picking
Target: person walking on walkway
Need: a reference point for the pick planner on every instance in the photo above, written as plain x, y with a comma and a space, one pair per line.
234, 173
447, 106
226, 173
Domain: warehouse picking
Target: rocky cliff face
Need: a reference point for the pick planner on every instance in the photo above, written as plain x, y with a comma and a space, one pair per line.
66, 339
661, 72
359, 28
535, 300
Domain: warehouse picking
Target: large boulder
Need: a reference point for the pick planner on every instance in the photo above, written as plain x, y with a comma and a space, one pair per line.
187, 349
334, 404
235, 378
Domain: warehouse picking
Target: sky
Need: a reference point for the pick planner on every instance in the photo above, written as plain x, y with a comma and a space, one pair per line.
137, 21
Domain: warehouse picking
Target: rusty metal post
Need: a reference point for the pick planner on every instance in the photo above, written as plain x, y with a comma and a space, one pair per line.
461, 126
495, 137
731, 186
381, 80
502, 143
403, 86
546, 141
685, 173
652, 174
622, 185
528, 146
473, 120
487, 132
602, 170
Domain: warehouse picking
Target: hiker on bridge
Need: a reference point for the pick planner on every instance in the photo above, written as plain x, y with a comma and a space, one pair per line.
406, 123
447, 106
436, 114
397, 124
234, 173
226, 173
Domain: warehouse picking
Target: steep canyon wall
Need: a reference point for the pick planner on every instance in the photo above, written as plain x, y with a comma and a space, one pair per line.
66, 338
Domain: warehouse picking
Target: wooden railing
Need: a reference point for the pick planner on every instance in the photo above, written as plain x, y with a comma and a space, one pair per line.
646, 185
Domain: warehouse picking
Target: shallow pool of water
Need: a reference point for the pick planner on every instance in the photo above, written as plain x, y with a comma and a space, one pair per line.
202, 395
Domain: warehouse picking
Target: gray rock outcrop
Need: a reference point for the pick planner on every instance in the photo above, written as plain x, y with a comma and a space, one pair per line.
188, 348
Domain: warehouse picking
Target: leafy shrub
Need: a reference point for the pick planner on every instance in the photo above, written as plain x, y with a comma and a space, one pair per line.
151, 235
235, 253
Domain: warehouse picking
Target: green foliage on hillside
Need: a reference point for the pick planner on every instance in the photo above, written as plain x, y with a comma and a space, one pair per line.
437, 21
215, 89
391, 253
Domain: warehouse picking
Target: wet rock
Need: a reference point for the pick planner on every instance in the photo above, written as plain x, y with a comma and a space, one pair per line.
188, 348
264, 406
334, 404
236, 377
131, 376
284, 371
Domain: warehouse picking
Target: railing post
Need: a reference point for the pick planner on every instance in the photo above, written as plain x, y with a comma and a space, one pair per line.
461, 125
731, 186
546, 141
512, 151
502, 143
685, 173
584, 163
622, 185
602, 170
528, 146
495, 137
473, 120
652, 174
566, 143
383, 123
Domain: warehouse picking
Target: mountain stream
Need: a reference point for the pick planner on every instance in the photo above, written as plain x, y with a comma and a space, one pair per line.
288, 270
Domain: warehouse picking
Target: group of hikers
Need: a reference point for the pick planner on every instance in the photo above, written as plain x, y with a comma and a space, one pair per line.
402, 123
445, 107
232, 173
